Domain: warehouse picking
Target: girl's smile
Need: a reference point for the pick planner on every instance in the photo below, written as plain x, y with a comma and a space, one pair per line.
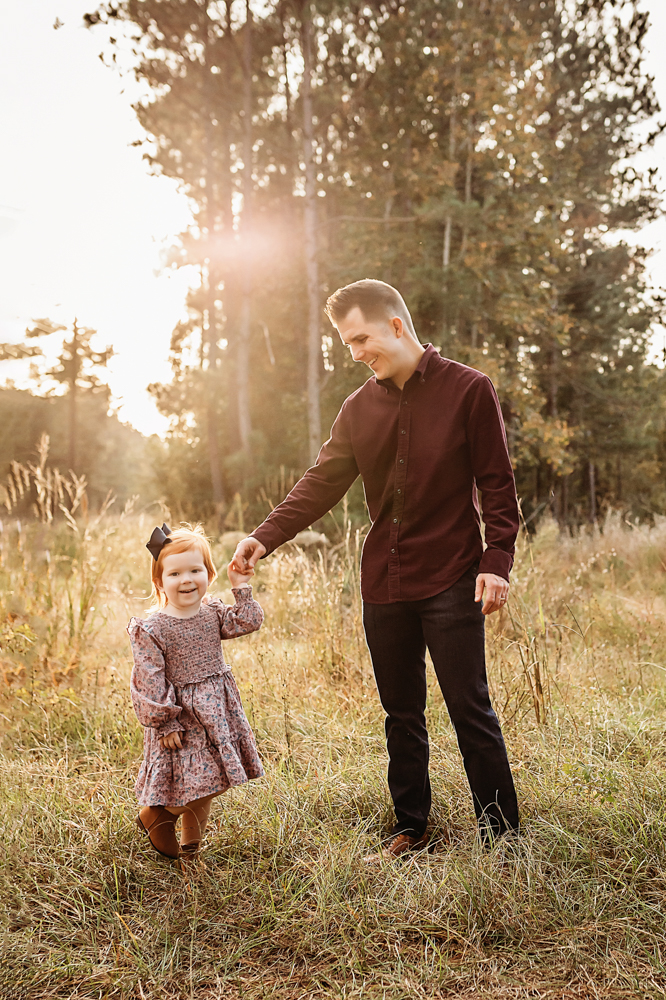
184, 582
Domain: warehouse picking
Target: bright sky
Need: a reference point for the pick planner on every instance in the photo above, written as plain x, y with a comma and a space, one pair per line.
83, 224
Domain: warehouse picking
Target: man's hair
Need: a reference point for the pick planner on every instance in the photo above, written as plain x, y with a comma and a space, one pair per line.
376, 300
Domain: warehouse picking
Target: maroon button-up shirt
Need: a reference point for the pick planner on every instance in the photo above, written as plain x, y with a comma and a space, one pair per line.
421, 453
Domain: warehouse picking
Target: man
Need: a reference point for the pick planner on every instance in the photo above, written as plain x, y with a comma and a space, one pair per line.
424, 433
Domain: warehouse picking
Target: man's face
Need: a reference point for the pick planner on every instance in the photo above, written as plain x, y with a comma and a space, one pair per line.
379, 345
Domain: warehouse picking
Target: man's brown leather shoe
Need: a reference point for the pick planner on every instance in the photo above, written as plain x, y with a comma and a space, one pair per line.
398, 844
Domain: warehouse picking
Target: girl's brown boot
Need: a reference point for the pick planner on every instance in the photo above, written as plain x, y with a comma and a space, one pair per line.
160, 827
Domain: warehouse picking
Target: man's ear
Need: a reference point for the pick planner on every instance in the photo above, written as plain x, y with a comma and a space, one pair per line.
398, 326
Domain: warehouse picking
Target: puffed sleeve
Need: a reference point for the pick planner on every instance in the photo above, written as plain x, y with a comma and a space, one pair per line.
153, 696
241, 618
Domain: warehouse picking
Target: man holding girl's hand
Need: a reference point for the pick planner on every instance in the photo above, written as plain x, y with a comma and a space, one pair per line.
424, 434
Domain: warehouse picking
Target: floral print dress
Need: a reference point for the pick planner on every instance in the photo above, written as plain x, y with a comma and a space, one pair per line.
181, 683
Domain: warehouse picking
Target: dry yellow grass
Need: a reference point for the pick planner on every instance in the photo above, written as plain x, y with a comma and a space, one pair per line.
282, 905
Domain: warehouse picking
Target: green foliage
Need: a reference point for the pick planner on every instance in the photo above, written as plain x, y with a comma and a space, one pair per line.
478, 156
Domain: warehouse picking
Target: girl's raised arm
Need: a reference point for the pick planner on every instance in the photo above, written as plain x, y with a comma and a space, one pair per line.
241, 618
153, 696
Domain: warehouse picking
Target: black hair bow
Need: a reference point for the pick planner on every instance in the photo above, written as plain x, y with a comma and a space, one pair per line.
158, 540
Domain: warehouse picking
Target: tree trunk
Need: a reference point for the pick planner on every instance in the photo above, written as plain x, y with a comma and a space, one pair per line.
446, 247
72, 404
73, 420
552, 403
591, 472
288, 117
468, 187
311, 262
245, 319
474, 336
211, 282
453, 122
553, 376
224, 117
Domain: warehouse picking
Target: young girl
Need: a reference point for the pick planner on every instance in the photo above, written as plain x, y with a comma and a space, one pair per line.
197, 741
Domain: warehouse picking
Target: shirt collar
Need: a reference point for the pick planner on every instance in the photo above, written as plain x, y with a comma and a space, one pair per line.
425, 359
420, 370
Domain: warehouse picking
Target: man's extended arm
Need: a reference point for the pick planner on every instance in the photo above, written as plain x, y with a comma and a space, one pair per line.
314, 494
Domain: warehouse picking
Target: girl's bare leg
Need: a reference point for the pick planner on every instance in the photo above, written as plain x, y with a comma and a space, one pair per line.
194, 817
193, 821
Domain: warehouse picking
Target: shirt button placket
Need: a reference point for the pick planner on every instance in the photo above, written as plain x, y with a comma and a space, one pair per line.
398, 499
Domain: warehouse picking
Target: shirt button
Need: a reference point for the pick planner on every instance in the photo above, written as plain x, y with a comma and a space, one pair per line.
422, 381
395, 520
392, 550
402, 461
403, 432
399, 491
405, 403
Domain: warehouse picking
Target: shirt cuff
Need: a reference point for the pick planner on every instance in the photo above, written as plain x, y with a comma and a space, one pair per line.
496, 561
242, 594
173, 726
270, 537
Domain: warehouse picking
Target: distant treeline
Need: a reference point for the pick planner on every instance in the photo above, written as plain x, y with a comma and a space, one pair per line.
476, 154
112, 456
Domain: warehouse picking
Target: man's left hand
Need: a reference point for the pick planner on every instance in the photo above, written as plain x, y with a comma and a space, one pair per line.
493, 590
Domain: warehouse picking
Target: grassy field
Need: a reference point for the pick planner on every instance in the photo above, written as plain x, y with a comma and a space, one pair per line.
282, 905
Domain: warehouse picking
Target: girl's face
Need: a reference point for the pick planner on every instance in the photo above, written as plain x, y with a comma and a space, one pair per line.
184, 581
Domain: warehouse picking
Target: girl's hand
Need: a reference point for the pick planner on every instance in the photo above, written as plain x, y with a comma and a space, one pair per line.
171, 742
236, 578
